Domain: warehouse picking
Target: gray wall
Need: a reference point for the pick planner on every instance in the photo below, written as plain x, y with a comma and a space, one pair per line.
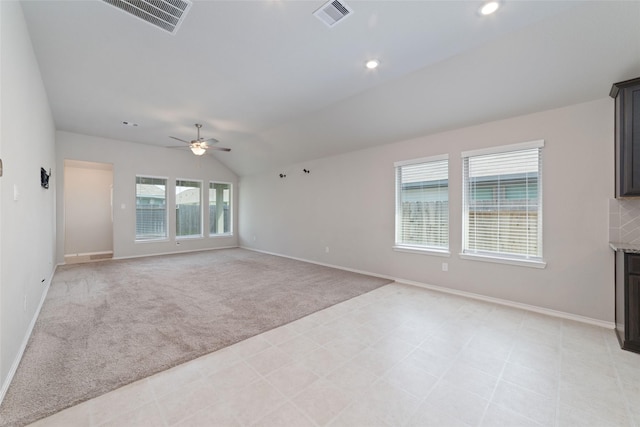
27, 225
347, 204
131, 159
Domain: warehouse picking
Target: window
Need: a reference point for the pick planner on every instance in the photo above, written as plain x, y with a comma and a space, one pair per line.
422, 204
188, 208
219, 208
502, 202
151, 208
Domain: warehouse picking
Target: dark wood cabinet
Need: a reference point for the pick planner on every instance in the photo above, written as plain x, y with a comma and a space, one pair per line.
628, 300
627, 136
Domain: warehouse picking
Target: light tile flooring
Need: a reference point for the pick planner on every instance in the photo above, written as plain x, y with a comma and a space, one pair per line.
397, 356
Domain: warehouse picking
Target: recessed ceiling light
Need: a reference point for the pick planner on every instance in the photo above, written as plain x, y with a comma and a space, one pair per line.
489, 7
129, 124
372, 63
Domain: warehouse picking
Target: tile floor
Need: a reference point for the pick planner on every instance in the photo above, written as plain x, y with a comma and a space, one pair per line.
397, 356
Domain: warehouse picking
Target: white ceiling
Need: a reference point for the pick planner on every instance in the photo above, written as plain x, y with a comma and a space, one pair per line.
274, 84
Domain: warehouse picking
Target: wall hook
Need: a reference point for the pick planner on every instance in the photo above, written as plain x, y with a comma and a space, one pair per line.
306, 171
282, 175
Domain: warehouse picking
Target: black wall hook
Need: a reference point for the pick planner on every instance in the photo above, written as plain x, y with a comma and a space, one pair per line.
44, 177
282, 175
306, 171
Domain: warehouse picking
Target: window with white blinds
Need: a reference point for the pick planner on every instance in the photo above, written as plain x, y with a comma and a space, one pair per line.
188, 208
220, 213
422, 203
502, 202
151, 208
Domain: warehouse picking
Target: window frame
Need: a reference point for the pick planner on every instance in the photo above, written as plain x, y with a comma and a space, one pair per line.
502, 257
165, 238
418, 248
230, 233
200, 210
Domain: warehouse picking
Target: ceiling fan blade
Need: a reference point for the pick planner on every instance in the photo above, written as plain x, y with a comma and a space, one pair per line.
219, 148
178, 139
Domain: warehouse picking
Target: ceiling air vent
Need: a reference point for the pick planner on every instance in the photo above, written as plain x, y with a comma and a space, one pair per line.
333, 12
165, 14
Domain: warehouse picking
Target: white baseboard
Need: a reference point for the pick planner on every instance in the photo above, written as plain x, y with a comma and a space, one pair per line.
522, 306
87, 257
25, 340
89, 253
471, 295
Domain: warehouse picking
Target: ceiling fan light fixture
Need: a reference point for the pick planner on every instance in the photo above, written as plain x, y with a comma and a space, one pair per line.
199, 146
197, 149
489, 7
372, 64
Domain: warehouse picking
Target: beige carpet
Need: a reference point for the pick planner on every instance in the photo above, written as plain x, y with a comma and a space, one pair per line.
107, 324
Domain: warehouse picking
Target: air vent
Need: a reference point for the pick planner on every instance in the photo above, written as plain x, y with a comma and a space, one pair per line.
333, 12
165, 14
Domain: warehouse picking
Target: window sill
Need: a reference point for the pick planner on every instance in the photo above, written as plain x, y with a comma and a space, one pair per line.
422, 250
509, 261
194, 237
164, 239
221, 235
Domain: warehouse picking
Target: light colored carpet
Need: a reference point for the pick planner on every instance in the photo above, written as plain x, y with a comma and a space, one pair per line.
107, 324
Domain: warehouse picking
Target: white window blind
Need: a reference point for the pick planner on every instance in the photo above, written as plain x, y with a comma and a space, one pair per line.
502, 202
422, 203
188, 208
151, 208
220, 213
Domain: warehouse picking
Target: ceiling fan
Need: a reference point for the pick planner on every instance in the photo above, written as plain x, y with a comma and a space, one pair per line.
200, 145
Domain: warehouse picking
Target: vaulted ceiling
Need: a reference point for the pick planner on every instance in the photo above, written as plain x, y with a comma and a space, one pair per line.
277, 86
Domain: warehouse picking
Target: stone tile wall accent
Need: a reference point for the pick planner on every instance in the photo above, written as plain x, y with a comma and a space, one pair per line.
624, 220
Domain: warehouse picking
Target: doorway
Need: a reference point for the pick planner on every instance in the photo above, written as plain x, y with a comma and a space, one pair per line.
88, 211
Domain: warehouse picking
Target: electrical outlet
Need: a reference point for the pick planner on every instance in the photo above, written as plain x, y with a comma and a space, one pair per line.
445, 266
